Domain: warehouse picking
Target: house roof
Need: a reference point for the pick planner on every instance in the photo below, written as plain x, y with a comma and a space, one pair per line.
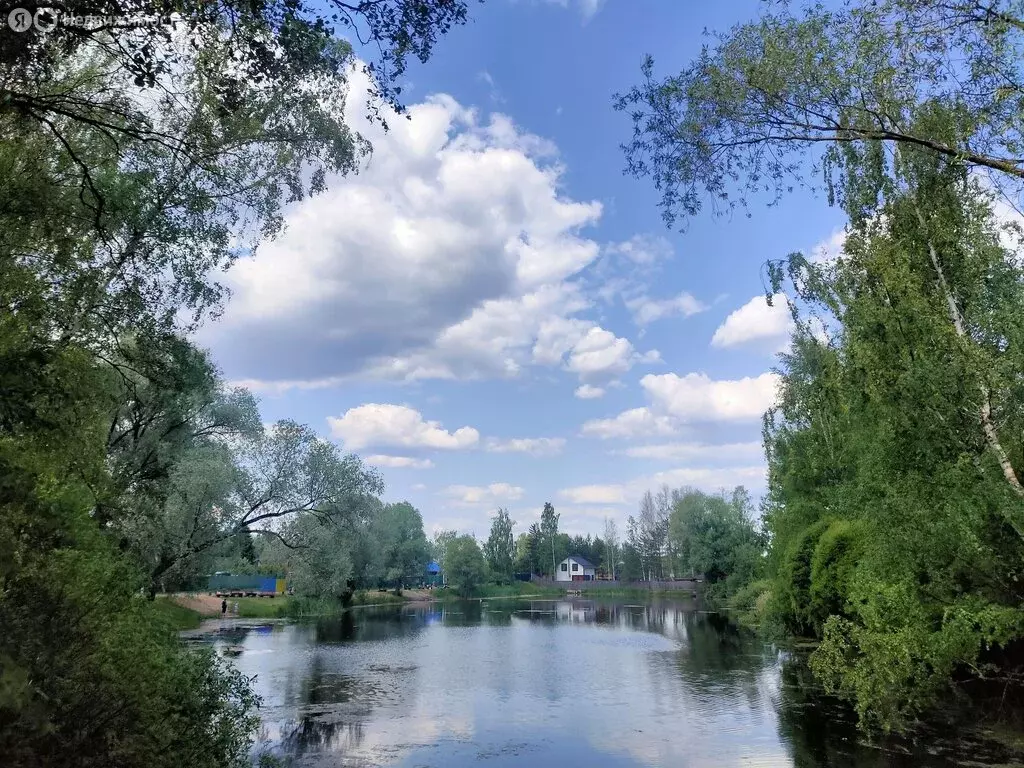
582, 561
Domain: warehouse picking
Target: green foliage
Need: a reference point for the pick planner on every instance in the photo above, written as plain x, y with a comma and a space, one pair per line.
94, 674
807, 86
833, 567
132, 173
439, 545
714, 536
500, 547
751, 602
895, 506
176, 616
794, 588
550, 553
465, 566
402, 545
647, 533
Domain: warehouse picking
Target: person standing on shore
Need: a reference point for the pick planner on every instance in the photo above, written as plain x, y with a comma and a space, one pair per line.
223, 607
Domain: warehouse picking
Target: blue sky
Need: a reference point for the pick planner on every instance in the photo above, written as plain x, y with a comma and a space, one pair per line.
493, 314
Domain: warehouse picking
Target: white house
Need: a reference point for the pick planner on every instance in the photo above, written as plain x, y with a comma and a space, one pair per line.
575, 568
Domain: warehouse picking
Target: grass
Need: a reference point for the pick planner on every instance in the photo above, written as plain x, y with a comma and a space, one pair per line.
298, 607
639, 592
526, 589
497, 591
260, 607
375, 597
177, 616
518, 589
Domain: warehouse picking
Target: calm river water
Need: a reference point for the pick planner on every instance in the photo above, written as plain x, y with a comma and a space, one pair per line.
549, 683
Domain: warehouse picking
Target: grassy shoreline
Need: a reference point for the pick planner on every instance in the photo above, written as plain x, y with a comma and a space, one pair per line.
185, 612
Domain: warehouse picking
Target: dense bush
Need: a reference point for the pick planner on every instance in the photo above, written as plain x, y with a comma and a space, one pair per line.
91, 673
751, 602
832, 569
793, 587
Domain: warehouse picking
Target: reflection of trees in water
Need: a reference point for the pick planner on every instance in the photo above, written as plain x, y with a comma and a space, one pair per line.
315, 734
818, 729
462, 613
717, 646
320, 686
721, 664
367, 624
821, 731
497, 617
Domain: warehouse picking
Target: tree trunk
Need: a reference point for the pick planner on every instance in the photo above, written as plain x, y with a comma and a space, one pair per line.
989, 427
987, 424
161, 568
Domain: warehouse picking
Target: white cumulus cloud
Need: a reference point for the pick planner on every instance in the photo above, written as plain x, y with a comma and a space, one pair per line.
710, 479
636, 422
454, 254
696, 397
676, 402
384, 424
755, 321
588, 392
830, 248
736, 452
595, 494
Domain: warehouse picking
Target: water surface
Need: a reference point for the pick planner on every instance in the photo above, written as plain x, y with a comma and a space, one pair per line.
550, 683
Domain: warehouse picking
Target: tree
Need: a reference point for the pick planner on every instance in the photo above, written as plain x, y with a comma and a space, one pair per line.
649, 531
135, 166
523, 562
320, 562
895, 504
715, 537
528, 550
549, 532
259, 63
398, 533
744, 115
219, 494
439, 547
500, 547
466, 567
611, 542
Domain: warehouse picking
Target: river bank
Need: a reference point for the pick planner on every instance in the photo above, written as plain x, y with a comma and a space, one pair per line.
187, 610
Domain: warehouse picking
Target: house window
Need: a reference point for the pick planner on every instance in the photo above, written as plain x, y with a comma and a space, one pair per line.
575, 566
565, 567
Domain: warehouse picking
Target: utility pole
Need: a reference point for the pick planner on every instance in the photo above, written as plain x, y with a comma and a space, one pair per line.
552, 557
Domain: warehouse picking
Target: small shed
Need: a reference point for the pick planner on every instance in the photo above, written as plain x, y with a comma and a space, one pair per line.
575, 568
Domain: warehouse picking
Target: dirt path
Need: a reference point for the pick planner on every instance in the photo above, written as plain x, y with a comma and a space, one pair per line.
204, 605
